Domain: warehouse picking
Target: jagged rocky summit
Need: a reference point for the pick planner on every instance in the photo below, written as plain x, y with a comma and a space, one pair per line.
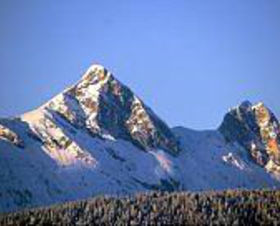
97, 137
257, 129
103, 107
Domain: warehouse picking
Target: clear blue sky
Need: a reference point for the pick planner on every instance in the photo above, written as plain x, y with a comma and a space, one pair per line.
190, 60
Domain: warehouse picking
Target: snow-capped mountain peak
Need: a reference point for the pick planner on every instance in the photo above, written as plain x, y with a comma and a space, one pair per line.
107, 108
96, 73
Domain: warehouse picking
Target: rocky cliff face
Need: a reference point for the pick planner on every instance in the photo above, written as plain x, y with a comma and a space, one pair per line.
256, 128
108, 109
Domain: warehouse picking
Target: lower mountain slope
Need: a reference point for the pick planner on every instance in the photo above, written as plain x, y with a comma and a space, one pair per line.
210, 162
32, 176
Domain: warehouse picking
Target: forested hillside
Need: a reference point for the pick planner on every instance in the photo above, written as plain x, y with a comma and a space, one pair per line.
219, 208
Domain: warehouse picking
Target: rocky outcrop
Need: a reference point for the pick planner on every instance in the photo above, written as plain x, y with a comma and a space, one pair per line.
256, 128
8, 135
57, 142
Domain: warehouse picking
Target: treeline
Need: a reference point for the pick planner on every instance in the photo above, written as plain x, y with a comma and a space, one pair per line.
160, 208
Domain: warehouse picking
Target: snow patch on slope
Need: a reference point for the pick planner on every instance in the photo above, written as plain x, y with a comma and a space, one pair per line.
233, 160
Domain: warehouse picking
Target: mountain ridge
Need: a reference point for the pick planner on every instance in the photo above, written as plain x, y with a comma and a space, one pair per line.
98, 137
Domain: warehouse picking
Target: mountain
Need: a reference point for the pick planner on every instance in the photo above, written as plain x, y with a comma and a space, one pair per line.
97, 137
